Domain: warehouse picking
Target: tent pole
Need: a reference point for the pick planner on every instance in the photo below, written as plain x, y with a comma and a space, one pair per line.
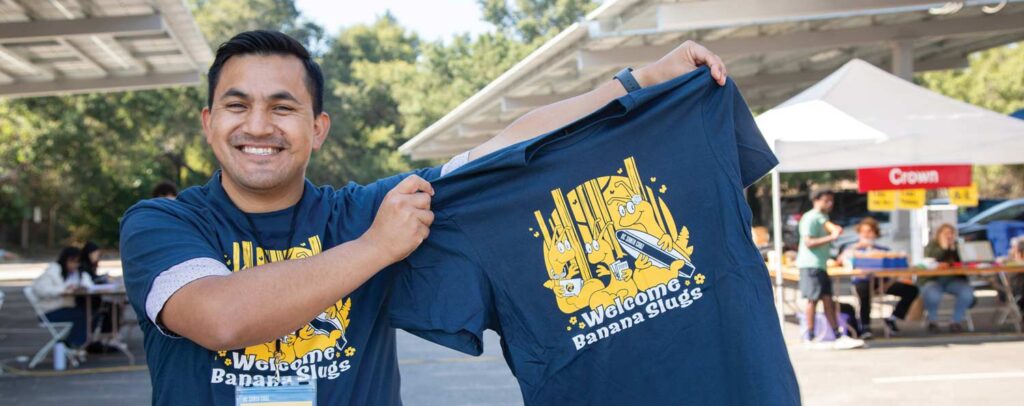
777, 238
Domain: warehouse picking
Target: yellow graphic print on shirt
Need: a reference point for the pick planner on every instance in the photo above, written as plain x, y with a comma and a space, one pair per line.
318, 349
610, 238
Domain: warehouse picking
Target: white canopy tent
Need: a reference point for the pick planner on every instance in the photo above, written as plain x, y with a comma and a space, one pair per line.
861, 116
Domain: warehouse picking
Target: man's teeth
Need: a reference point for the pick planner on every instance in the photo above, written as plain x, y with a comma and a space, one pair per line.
259, 150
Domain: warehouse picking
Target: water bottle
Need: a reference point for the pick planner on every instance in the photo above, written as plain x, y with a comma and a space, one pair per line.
60, 358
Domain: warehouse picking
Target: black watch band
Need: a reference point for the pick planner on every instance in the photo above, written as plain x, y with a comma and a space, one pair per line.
625, 76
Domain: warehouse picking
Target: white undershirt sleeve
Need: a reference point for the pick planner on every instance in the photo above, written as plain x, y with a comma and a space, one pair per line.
174, 278
454, 163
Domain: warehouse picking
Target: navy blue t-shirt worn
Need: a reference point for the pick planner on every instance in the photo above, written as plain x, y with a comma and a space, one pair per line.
612, 256
349, 348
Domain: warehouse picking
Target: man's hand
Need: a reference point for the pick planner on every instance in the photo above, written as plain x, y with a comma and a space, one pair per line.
403, 220
682, 60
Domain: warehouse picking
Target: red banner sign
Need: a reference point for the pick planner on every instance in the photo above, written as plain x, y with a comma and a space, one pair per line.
913, 177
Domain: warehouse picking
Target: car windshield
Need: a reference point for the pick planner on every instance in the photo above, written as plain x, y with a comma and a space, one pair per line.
1010, 213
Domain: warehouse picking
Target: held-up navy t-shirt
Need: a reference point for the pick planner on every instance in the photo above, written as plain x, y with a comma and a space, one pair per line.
349, 349
612, 256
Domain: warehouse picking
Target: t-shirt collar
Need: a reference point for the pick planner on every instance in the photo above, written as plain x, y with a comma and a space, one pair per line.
220, 195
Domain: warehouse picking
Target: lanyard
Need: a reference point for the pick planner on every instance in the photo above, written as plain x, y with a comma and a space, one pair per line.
287, 252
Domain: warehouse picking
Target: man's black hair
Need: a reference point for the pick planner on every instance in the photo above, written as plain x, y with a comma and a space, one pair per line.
165, 188
822, 193
265, 42
66, 254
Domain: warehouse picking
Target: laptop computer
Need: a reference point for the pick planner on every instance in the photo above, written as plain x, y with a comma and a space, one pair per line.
973, 252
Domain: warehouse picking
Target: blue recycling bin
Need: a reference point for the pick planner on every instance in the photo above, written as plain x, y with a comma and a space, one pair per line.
1000, 233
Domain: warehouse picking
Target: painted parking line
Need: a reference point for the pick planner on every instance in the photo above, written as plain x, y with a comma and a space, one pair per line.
950, 377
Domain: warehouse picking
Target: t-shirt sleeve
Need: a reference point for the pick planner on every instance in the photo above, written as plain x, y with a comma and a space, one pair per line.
444, 296
155, 238
726, 111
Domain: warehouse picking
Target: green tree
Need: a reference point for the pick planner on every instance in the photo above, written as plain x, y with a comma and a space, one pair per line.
994, 79
530, 20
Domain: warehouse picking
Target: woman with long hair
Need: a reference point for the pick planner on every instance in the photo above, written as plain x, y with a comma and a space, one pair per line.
89, 259
943, 249
59, 278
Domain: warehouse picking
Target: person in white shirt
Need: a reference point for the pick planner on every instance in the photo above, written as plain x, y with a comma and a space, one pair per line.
59, 278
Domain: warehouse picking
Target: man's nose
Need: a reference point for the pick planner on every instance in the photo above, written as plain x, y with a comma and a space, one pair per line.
258, 123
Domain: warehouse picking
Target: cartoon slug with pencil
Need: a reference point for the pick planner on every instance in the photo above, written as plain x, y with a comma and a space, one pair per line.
609, 238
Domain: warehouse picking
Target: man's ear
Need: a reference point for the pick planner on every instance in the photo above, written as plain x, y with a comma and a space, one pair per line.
321, 127
205, 120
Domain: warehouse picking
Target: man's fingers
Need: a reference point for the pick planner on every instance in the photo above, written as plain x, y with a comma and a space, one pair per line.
413, 184
703, 56
426, 217
420, 200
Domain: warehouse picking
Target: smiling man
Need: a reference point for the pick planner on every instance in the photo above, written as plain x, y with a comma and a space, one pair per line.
262, 279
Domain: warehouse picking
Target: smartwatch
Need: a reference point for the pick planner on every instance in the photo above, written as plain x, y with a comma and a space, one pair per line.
625, 77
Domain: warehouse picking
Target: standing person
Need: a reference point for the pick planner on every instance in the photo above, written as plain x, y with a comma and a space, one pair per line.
261, 278
944, 249
59, 278
868, 232
816, 236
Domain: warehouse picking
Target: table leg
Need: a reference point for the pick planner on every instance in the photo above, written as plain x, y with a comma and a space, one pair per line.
114, 321
88, 319
1011, 301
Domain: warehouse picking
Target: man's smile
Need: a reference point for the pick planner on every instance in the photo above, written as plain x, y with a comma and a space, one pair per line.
259, 150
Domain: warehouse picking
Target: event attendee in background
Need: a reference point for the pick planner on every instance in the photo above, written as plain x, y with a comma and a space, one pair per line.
944, 250
1016, 256
869, 232
166, 189
89, 261
59, 278
816, 236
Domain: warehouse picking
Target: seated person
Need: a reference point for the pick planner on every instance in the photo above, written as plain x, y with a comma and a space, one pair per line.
944, 250
59, 278
88, 264
868, 231
89, 261
1016, 256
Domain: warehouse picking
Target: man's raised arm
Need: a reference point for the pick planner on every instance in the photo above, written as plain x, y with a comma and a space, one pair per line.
681, 60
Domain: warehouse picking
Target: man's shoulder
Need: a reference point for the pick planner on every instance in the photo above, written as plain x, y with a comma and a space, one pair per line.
191, 206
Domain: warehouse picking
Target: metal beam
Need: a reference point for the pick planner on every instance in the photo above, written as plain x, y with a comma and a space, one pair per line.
446, 148
521, 103
715, 14
484, 128
902, 59
106, 84
23, 64
47, 29
82, 56
805, 40
776, 80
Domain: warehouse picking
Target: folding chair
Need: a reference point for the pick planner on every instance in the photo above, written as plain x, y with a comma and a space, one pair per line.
58, 331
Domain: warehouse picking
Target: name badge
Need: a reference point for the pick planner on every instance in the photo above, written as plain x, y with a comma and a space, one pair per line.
297, 394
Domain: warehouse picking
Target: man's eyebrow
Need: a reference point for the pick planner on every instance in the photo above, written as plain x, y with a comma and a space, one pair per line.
284, 95
232, 92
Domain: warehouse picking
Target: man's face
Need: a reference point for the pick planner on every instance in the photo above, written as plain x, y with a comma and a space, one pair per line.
261, 125
824, 203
